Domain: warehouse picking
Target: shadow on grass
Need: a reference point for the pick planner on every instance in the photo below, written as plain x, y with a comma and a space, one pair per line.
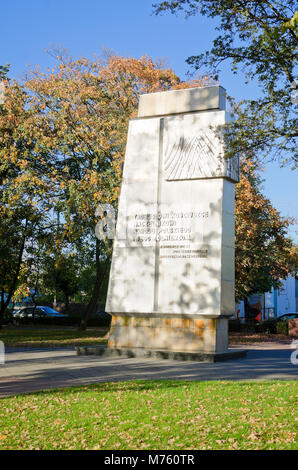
143, 386
130, 386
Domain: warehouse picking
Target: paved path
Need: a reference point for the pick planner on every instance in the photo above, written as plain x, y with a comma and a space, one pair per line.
28, 370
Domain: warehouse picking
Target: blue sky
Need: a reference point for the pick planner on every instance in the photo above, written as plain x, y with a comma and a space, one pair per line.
85, 27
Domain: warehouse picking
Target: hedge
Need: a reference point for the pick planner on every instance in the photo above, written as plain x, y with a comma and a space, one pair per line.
66, 321
237, 326
282, 328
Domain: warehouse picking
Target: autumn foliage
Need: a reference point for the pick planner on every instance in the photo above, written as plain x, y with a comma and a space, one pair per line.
62, 143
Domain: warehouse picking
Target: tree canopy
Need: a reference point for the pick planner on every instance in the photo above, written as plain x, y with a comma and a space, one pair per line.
260, 38
62, 142
263, 253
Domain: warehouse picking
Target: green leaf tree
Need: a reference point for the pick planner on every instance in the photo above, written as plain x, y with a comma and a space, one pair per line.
263, 253
260, 38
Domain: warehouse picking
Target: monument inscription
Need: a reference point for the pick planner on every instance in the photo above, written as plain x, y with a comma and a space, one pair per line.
167, 226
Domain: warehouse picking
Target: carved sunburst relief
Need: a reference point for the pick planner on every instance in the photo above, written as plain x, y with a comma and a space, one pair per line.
195, 156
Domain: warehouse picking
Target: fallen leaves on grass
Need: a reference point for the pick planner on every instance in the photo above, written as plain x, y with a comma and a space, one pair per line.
154, 415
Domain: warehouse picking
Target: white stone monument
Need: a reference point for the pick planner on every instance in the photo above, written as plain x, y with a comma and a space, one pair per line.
171, 288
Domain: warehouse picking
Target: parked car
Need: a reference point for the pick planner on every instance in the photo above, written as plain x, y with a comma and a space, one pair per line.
102, 314
287, 316
26, 313
100, 318
269, 326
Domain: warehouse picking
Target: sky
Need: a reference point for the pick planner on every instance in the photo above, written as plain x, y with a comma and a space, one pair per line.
129, 27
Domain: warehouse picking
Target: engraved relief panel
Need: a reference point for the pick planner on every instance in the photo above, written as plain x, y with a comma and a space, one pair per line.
193, 148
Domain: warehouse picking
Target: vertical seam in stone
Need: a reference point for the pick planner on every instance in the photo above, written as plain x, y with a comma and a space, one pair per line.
157, 245
221, 252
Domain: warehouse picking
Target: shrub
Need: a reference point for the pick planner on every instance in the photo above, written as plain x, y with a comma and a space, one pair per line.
249, 326
234, 325
267, 326
282, 328
100, 321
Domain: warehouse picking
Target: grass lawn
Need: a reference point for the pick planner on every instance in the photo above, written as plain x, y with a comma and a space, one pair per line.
44, 337
154, 415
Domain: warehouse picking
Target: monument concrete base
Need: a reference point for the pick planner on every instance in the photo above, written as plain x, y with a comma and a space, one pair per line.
167, 337
171, 333
160, 354
171, 337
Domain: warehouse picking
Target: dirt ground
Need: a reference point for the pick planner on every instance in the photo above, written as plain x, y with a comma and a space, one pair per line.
241, 337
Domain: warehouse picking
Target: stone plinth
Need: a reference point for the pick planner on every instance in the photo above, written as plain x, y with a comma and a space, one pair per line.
182, 101
171, 283
169, 333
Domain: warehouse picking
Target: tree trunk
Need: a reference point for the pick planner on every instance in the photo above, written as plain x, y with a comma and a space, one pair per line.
101, 271
34, 306
246, 307
66, 303
13, 286
2, 305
